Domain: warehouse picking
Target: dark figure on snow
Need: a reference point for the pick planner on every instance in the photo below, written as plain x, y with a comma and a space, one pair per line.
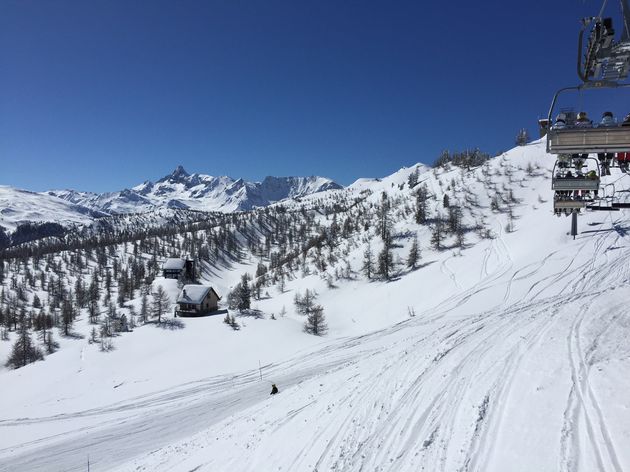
274, 389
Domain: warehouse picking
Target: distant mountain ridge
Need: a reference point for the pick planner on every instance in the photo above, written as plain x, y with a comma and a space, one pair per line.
198, 192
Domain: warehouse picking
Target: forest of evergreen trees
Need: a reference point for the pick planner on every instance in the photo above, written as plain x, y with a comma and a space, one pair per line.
92, 274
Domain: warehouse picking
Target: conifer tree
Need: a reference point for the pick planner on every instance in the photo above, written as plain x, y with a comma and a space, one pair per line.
437, 235
244, 294
144, 307
422, 195
23, 351
51, 344
414, 254
67, 316
160, 304
304, 304
368, 262
522, 138
386, 259
316, 321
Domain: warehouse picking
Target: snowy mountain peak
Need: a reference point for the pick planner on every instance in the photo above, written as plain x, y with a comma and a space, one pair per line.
182, 190
178, 175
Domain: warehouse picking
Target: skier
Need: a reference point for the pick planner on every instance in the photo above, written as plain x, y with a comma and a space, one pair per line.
583, 121
578, 159
560, 122
623, 158
605, 158
274, 389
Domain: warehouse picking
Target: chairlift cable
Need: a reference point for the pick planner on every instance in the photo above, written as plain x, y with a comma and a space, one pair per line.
601, 12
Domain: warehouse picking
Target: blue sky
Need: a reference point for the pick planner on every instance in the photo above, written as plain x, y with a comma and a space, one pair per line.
102, 95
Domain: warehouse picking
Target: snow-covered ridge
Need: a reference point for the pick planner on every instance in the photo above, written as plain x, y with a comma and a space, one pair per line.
198, 192
21, 206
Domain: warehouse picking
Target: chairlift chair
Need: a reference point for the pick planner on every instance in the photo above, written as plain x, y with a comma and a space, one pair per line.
573, 190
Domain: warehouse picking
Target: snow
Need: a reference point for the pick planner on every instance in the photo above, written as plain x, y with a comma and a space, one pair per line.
20, 206
199, 192
173, 264
516, 359
193, 293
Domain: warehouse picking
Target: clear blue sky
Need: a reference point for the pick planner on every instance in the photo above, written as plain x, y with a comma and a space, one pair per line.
101, 95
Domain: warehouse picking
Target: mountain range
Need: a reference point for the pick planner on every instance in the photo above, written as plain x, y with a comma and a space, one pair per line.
179, 189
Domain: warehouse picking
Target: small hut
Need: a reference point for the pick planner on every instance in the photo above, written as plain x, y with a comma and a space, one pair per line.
197, 300
173, 268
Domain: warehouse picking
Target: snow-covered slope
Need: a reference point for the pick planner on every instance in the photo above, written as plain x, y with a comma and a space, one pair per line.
199, 192
515, 359
20, 206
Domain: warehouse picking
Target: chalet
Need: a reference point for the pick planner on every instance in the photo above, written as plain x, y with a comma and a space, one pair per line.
174, 268
197, 300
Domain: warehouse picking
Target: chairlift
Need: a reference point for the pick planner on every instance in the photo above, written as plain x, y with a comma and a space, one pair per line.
603, 64
574, 189
605, 58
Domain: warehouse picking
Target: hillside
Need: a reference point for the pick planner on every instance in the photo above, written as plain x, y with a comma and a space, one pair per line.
21, 206
504, 348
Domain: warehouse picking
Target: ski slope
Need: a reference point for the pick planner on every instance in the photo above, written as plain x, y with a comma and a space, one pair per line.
517, 359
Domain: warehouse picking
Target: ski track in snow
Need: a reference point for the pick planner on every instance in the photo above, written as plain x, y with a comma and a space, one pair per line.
439, 409
438, 393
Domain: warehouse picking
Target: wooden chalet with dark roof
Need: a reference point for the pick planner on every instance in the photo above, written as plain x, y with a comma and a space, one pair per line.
197, 300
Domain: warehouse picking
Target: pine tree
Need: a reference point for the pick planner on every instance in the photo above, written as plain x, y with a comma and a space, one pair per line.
412, 180
385, 259
160, 305
316, 322
437, 235
144, 307
93, 335
422, 196
384, 223
93, 311
454, 219
51, 344
23, 351
385, 262
414, 254
522, 138
244, 294
67, 316
368, 262
304, 304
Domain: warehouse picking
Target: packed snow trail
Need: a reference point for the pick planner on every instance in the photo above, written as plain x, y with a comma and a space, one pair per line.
459, 387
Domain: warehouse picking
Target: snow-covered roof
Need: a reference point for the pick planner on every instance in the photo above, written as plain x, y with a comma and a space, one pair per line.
193, 294
174, 264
